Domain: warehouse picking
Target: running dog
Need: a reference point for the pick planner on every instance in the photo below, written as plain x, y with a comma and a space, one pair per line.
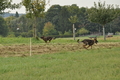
88, 42
47, 39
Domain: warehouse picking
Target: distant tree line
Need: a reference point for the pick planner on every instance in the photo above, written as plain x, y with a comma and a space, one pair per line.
55, 22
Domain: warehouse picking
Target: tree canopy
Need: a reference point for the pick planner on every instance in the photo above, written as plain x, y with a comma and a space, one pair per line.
34, 10
3, 27
73, 19
7, 4
59, 16
49, 29
103, 14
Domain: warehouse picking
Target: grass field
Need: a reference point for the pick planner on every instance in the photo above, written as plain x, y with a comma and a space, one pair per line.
66, 63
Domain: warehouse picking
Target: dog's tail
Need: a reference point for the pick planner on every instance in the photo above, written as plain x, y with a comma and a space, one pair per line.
78, 40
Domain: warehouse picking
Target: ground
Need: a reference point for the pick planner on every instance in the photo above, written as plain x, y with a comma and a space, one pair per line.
24, 50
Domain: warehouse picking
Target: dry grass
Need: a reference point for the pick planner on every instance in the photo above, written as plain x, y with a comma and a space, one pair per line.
70, 61
22, 48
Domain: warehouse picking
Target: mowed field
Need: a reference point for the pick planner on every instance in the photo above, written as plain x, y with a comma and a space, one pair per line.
62, 59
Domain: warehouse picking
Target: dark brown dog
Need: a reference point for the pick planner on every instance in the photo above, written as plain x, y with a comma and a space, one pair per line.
88, 42
46, 39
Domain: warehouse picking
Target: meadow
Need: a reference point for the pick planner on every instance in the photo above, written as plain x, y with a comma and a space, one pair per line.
67, 61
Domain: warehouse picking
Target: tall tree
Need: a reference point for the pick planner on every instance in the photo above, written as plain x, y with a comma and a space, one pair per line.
103, 14
5, 4
3, 27
63, 19
52, 13
16, 14
8, 22
73, 10
49, 29
73, 20
34, 10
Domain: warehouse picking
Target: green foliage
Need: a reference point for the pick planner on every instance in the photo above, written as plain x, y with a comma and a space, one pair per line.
52, 15
11, 34
49, 29
82, 31
64, 23
34, 7
16, 15
59, 16
73, 10
73, 19
103, 14
34, 10
3, 27
4, 4
68, 33
9, 19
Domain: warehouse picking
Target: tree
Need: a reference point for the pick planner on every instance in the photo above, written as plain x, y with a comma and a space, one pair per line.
63, 19
53, 13
49, 29
73, 10
34, 10
8, 22
83, 17
4, 4
82, 31
16, 14
103, 14
3, 27
73, 19
19, 25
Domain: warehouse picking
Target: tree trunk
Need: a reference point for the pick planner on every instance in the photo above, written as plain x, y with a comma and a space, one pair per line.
104, 32
35, 32
73, 32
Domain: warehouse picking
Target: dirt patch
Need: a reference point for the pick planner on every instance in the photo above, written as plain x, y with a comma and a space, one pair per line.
24, 50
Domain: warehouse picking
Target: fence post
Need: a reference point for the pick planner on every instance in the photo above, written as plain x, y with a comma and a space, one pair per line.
30, 47
73, 32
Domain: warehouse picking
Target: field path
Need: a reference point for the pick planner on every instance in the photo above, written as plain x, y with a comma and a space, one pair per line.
24, 50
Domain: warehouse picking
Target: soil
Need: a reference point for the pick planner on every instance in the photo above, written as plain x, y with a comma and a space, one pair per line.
24, 50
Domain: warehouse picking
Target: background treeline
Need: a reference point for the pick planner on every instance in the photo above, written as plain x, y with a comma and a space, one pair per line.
55, 23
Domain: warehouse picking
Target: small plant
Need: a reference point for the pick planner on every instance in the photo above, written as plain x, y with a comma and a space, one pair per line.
82, 31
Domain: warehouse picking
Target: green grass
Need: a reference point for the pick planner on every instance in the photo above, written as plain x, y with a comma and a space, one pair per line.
93, 64
13, 40
99, 64
21, 40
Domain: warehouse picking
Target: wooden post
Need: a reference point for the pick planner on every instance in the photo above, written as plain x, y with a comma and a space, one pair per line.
104, 33
30, 46
73, 32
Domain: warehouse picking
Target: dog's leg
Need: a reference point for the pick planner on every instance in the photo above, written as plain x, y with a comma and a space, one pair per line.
45, 41
91, 47
88, 46
49, 41
85, 46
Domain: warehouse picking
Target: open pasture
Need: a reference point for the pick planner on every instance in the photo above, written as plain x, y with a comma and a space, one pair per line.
21, 46
62, 59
